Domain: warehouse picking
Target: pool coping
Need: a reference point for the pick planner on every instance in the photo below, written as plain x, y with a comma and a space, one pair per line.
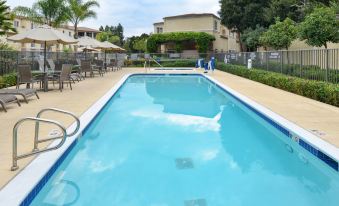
22, 189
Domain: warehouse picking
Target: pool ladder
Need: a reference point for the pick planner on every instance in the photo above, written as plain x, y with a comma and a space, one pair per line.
37, 121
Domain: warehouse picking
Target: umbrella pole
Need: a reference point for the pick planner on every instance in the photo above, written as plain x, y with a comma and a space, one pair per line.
105, 62
45, 73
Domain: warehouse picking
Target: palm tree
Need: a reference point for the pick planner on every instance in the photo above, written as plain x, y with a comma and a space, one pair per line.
79, 10
6, 19
50, 12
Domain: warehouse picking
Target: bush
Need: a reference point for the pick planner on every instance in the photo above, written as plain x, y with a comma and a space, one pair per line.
201, 39
317, 90
174, 63
8, 80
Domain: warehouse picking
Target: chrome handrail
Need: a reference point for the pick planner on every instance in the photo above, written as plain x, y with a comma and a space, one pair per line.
156, 62
36, 137
16, 157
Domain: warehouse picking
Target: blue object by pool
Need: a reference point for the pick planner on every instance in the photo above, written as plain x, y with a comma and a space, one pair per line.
180, 140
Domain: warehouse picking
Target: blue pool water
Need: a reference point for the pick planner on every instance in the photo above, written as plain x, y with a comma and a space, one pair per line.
179, 140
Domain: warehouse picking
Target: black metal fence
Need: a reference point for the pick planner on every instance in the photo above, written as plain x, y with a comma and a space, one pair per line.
320, 65
10, 59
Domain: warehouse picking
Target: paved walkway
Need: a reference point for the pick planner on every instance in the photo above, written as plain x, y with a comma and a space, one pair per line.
305, 112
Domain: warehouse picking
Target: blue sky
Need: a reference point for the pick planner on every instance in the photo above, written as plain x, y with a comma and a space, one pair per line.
138, 16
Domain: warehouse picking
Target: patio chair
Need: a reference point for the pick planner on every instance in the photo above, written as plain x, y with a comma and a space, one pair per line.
7, 99
85, 67
113, 65
24, 93
98, 67
65, 76
24, 76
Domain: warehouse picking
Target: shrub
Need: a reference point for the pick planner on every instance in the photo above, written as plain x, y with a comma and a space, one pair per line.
317, 90
201, 39
8, 80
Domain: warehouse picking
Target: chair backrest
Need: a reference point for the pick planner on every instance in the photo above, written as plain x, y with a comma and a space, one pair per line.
78, 62
24, 73
65, 72
85, 65
41, 64
98, 62
51, 64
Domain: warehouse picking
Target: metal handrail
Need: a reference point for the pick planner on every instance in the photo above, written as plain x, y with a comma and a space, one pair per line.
16, 157
155, 62
36, 137
37, 121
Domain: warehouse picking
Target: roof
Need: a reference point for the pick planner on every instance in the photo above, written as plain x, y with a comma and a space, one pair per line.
82, 29
157, 23
192, 15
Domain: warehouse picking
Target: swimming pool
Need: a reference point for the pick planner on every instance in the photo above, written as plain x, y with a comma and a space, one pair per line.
183, 140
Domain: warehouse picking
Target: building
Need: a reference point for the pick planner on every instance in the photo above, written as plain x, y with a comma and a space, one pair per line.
226, 40
23, 24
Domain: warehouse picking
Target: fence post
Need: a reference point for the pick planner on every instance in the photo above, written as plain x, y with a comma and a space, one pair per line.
327, 66
301, 62
266, 53
281, 61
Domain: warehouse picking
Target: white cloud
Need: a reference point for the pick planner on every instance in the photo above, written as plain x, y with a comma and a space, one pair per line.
138, 16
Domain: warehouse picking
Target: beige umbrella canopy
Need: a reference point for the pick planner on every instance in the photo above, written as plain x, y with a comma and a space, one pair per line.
109, 46
43, 35
88, 42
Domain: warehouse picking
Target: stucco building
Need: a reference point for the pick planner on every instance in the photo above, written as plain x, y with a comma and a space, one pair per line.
23, 24
226, 40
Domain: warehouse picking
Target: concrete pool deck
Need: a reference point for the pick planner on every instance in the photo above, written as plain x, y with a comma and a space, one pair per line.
307, 113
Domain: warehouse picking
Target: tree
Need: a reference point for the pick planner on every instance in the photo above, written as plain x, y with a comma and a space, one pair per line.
251, 38
285, 8
114, 40
103, 36
239, 15
50, 12
115, 31
6, 19
140, 45
280, 35
320, 27
79, 10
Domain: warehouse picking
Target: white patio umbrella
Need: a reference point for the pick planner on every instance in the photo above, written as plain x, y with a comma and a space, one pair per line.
108, 46
88, 44
43, 35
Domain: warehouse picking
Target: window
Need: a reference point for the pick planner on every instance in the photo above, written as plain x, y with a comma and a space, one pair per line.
70, 33
32, 25
32, 45
223, 32
63, 31
215, 25
159, 30
16, 24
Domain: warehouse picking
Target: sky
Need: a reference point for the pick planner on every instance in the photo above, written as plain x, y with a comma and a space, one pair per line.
138, 16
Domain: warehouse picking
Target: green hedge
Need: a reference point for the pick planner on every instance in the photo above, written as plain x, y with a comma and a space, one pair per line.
310, 72
176, 63
201, 39
8, 80
317, 90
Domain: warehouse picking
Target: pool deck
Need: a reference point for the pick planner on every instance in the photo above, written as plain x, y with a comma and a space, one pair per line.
307, 113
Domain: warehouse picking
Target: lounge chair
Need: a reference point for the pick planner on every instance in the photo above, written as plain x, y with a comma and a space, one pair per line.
24, 93
7, 99
25, 76
51, 64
